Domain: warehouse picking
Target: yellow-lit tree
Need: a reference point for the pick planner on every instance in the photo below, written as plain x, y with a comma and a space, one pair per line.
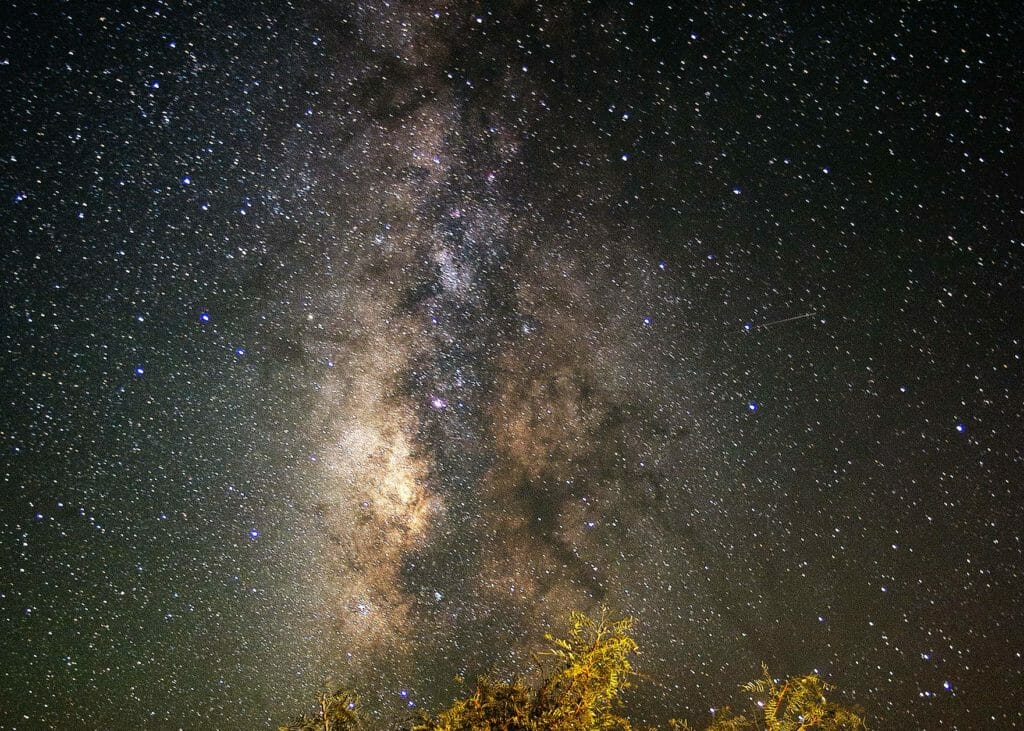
794, 704
579, 690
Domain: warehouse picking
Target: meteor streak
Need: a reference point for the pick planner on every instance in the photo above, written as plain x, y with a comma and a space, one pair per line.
764, 325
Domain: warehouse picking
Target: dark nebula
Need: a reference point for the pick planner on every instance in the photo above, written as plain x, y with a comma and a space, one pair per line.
364, 341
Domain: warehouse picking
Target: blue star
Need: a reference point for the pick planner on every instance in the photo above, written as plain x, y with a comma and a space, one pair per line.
240, 352
204, 317
961, 428
139, 370
753, 406
254, 534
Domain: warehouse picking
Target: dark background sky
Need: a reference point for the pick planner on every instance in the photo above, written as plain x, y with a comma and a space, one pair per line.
365, 340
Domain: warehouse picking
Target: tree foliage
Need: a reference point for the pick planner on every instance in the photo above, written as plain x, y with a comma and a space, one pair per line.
582, 678
580, 691
795, 704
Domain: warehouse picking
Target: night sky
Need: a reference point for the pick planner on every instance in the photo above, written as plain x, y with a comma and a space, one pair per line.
363, 341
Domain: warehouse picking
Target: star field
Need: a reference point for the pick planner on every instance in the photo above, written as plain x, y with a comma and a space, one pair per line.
363, 341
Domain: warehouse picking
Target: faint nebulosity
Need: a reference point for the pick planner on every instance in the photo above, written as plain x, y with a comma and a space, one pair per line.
363, 341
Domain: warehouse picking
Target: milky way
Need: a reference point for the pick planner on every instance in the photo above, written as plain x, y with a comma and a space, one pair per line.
483, 432
361, 342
